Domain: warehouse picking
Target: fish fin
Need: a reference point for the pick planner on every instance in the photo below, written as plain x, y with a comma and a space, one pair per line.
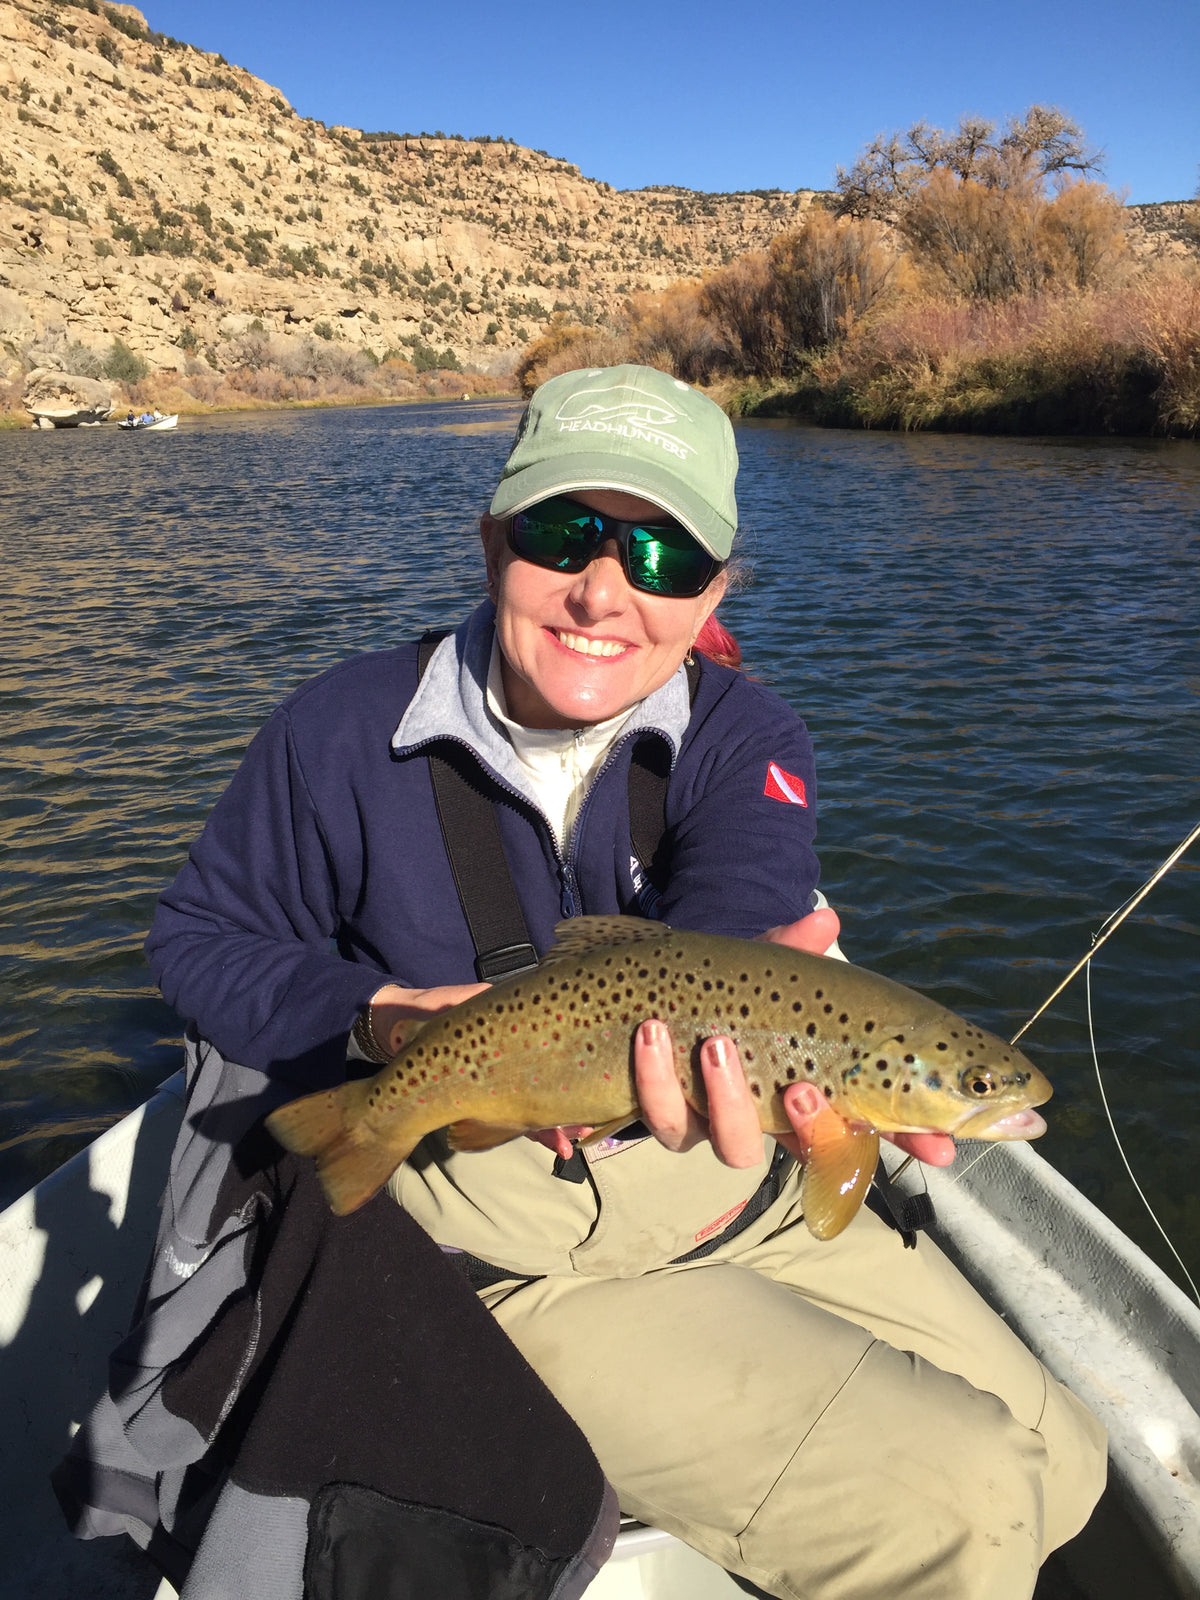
578, 936
468, 1133
607, 1129
841, 1163
352, 1164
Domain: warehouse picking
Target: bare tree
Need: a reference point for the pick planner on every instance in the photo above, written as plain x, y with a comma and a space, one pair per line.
893, 168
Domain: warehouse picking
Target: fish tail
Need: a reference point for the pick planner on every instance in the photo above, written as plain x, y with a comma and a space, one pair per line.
352, 1163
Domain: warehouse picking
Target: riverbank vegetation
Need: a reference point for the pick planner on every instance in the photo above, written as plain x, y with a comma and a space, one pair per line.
971, 280
256, 370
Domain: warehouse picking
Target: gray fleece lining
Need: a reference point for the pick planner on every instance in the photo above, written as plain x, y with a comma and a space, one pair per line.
451, 703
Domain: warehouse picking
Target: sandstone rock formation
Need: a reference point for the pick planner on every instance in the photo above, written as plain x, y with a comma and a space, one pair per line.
63, 400
152, 192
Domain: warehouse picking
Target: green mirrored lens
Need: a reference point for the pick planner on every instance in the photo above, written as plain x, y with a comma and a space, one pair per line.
666, 561
556, 535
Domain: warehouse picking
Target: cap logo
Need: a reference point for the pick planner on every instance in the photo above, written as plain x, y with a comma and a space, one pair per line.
627, 412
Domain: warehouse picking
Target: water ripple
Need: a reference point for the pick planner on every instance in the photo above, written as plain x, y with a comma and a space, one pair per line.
993, 641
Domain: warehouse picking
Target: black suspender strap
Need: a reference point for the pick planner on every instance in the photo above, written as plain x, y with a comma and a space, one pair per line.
649, 774
485, 887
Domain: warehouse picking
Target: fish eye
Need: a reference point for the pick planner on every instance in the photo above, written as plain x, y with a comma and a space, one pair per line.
978, 1081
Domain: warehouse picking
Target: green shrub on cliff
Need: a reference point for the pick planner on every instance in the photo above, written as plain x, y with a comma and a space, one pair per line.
122, 366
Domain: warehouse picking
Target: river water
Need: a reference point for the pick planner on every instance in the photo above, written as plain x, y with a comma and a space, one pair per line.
994, 642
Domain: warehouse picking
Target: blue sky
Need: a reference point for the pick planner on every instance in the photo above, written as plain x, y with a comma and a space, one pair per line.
770, 94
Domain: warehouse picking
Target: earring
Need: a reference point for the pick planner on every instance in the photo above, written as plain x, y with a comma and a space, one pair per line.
689, 660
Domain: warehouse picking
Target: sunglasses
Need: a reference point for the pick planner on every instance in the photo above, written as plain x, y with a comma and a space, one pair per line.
657, 558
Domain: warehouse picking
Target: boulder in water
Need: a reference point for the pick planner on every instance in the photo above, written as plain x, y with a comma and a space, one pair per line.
65, 400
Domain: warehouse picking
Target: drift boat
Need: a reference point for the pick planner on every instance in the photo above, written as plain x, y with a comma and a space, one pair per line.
1090, 1304
148, 422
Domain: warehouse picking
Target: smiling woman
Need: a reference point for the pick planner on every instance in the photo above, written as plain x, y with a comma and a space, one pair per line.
327, 914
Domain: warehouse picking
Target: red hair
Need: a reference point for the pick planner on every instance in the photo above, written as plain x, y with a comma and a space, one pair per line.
717, 643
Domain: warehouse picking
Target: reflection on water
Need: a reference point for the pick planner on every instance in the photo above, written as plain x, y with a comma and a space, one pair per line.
994, 642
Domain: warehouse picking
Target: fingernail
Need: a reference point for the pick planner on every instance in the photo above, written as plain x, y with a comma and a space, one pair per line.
653, 1032
720, 1052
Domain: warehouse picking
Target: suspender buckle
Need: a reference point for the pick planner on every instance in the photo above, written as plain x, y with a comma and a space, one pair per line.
505, 961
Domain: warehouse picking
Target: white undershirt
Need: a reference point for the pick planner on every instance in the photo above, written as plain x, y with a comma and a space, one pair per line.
559, 763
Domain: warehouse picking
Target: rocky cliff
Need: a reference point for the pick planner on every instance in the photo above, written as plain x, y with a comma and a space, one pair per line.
152, 192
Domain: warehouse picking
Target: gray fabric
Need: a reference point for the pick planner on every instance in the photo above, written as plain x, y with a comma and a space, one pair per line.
595, 1552
192, 1276
138, 1451
451, 703
253, 1546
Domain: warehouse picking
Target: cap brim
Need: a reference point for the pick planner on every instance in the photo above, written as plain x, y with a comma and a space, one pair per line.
563, 474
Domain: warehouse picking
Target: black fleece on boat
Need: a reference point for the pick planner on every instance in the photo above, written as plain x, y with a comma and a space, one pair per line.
335, 1429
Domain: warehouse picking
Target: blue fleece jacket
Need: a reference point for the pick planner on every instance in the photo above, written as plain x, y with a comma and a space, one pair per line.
321, 873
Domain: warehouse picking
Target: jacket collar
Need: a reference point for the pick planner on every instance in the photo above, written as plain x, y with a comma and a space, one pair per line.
451, 703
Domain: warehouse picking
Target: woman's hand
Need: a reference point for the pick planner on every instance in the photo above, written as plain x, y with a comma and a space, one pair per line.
733, 1126
394, 1010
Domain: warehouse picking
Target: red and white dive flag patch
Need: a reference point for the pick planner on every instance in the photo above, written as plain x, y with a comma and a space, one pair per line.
781, 785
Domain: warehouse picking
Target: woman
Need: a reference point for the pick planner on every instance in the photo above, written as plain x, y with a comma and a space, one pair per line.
829, 1419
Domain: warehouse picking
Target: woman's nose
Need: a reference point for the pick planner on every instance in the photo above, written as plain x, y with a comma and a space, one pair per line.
601, 586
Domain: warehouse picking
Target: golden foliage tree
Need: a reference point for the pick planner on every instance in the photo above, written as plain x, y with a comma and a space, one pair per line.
671, 331
566, 346
828, 274
740, 303
1083, 233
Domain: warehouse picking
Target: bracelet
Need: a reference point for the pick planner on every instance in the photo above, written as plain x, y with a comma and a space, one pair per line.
363, 1034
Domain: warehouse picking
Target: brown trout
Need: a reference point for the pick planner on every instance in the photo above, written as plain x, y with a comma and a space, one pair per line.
554, 1047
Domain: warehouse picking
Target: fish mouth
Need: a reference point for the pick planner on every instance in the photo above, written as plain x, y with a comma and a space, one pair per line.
1026, 1124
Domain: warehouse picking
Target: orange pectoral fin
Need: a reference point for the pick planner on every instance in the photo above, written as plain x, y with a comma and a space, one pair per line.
841, 1163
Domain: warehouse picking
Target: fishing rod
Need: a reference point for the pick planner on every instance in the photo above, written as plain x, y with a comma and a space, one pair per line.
1115, 923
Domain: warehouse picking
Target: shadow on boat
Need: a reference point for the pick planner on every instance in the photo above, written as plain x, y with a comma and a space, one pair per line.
72, 1255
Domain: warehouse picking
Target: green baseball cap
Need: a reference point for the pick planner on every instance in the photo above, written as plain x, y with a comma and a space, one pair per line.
628, 428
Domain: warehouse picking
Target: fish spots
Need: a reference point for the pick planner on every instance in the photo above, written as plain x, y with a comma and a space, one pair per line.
942, 1045
797, 1006
756, 1090
827, 1009
909, 1060
881, 1066
844, 1018
775, 996
744, 1010
791, 1072
811, 1030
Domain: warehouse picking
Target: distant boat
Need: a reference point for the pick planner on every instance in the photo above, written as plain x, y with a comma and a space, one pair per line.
148, 421
1086, 1300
